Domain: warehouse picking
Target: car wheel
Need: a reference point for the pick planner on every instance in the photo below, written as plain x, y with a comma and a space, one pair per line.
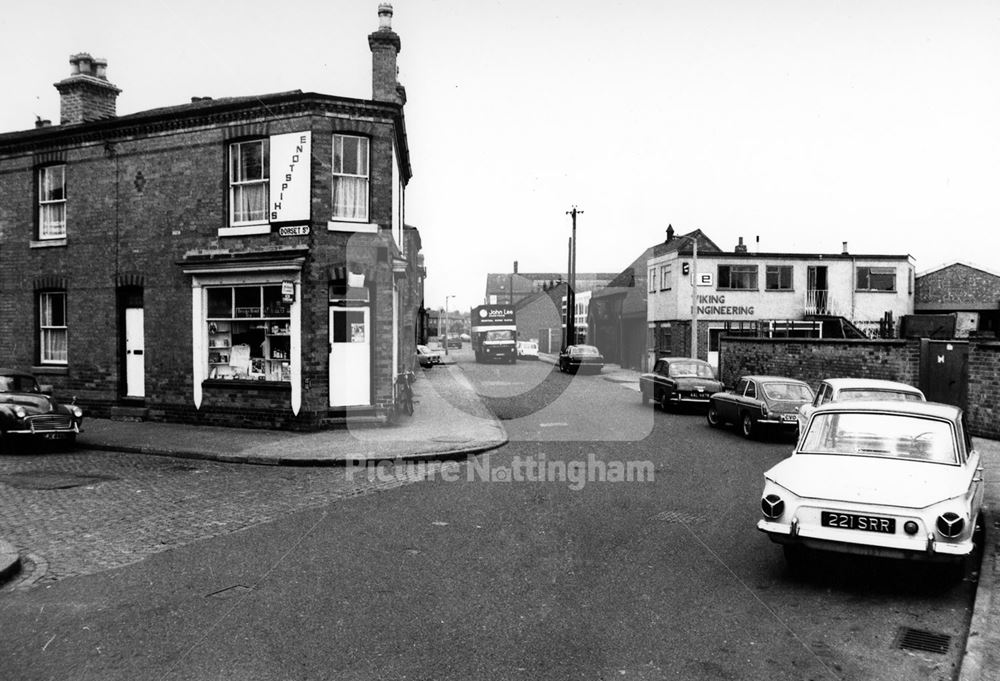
665, 401
748, 426
713, 416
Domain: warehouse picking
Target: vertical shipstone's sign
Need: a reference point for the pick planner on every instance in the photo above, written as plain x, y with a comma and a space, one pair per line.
290, 177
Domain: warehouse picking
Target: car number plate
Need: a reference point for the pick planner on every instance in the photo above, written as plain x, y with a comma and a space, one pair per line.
55, 436
853, 521
788, 417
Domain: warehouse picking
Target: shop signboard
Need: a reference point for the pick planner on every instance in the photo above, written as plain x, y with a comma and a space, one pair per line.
290, 177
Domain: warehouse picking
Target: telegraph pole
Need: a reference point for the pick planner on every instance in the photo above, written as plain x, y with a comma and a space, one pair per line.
571, 291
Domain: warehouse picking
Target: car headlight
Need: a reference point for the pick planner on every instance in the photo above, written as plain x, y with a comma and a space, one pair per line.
772, 506
19, 412
76, 411
950, 524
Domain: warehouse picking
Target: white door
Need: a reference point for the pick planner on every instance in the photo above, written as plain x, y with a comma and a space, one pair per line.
135, 357
713, 347
350, 357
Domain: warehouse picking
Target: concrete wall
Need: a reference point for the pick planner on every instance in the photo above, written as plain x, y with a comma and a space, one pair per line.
813, 360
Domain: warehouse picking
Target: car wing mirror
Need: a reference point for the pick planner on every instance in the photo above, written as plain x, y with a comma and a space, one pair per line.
45, 389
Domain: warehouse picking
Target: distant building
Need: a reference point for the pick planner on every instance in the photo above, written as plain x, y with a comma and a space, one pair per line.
799, 293
963, 290
512, 287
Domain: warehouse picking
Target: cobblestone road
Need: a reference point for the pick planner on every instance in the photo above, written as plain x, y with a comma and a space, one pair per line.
82, 512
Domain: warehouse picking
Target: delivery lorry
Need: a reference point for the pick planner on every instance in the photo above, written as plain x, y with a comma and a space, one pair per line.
494, 333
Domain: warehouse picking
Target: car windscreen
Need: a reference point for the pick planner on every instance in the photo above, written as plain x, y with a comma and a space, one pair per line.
863, 394
584, 350
499, 335
900, 436
18, 384
690, 370
790, 392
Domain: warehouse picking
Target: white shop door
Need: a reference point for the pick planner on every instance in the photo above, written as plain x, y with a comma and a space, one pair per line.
135, 357
350, 357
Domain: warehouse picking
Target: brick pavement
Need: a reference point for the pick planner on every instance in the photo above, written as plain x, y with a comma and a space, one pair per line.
132, 505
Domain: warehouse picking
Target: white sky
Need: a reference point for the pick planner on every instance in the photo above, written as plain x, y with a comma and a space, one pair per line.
805, 123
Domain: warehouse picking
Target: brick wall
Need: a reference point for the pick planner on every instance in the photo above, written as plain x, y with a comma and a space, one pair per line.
957, 286
812, 360
136, 205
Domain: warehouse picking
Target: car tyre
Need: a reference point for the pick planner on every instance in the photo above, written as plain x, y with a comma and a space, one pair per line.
748, 426
713, 416
665, 401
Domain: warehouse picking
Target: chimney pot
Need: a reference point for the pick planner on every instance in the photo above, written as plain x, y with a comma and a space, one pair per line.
384, 16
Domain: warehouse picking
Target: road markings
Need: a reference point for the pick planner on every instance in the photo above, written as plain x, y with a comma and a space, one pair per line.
553, 425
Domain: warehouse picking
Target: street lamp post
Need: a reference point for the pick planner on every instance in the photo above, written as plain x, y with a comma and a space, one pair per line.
446, 323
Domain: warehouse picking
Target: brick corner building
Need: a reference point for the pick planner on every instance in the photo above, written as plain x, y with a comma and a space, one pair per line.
237, 261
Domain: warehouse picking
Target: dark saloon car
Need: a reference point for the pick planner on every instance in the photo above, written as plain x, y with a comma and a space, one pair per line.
581, 358
427, 357
28, 410
759, 402
679, 380
453, 342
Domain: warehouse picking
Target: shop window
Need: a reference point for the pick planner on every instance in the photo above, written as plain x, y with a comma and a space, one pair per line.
249, 333
350, 178
52, 202
740, 277
778, 278
248, 182
53, 330
876, 279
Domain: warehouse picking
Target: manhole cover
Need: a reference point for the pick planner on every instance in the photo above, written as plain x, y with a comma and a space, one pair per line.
920, 639
48, 480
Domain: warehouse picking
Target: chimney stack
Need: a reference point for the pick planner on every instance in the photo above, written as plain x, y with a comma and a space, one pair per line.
844, 249
86, 95
515, 267
385, 47
741, 247
670, 234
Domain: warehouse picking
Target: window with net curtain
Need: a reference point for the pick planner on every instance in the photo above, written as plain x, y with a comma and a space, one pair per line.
52, 202
248, 182
52, 327
350, 178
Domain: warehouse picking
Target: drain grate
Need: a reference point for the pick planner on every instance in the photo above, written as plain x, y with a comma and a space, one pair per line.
923, 640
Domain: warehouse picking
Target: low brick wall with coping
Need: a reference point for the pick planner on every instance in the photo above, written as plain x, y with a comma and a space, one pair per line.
812, 360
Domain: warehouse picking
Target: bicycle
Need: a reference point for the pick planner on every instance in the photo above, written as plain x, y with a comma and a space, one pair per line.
404, 393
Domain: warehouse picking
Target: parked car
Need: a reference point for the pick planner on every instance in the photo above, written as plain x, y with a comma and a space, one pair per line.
453, 342
758, 402
854, 389
527, 350
575, 358
27, 410
466, 338
427, 357
679, 380
896, 478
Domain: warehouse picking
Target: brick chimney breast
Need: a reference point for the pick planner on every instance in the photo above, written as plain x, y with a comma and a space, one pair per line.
385, 46
86, 95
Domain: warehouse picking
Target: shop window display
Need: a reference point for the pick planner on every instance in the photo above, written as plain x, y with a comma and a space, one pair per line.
249, 333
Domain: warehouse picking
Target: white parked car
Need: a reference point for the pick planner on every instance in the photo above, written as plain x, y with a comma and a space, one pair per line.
527, 350
894, 478
858, 389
